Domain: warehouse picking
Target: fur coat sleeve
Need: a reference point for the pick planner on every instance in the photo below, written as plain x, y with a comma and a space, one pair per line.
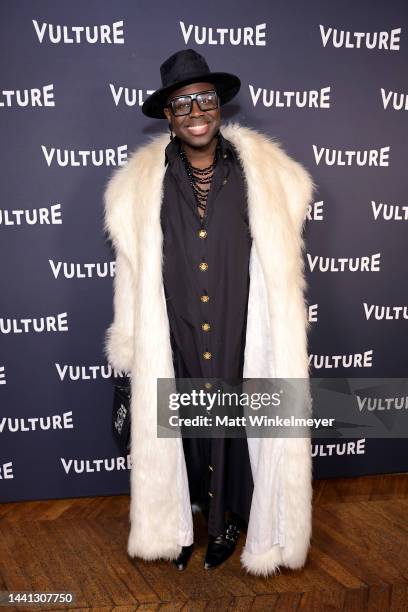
118, 203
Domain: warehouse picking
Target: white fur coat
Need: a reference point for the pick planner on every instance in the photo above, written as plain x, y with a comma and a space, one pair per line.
279, 190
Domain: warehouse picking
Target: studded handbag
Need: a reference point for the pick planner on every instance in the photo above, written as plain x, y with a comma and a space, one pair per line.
121, 415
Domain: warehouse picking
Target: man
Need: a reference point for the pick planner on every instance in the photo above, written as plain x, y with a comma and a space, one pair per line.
209, 283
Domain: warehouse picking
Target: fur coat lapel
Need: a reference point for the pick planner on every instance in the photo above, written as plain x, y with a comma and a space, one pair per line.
279, 190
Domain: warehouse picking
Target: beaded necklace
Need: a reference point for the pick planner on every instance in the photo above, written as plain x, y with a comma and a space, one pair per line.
201, 176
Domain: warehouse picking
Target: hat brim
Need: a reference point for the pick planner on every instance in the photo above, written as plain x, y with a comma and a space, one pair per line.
226, 84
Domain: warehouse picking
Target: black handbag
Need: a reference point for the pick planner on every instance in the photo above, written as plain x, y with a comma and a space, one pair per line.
121, 415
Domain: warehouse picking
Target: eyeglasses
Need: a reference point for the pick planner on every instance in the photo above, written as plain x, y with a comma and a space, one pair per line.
182, 105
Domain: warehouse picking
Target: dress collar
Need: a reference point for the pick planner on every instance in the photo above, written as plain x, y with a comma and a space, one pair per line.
172, 149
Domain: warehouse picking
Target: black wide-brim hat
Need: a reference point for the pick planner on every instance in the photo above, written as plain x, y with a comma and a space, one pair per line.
185, 67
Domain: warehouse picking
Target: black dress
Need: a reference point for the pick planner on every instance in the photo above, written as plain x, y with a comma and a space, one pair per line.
207, 310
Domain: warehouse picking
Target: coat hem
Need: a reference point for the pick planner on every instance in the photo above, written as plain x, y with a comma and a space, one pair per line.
168, 553
264, 564
269, 562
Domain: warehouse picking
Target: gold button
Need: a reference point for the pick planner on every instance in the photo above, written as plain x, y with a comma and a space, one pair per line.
208, 385
203, 266
211, 468
210, 494
205, 326
207, 355
202, 233
205, 298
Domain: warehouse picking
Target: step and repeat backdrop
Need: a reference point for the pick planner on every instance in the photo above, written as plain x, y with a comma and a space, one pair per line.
328, 82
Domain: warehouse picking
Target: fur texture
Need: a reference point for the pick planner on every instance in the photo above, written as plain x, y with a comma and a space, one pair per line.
279, 190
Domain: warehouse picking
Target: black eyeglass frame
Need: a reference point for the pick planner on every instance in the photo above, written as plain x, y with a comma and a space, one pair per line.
193, 97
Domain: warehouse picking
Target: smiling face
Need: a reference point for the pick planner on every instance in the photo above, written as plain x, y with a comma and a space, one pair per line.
199, 127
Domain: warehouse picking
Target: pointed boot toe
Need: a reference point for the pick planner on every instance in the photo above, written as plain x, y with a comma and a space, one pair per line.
184, 557
222, 547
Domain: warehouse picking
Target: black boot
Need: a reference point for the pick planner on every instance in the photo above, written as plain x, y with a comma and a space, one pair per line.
184, 557
221, 548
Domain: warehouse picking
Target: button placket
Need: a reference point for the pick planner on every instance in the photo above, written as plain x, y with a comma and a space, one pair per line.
203, 267
202, 234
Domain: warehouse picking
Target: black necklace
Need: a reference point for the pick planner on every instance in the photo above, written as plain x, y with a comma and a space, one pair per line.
201, 176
